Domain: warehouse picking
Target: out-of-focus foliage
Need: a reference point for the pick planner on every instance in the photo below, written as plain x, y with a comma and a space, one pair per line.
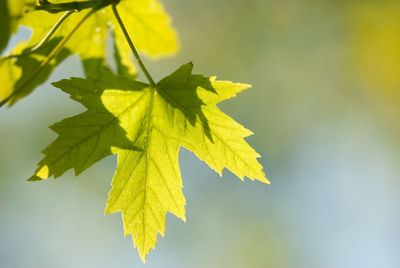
145, 18
375, 37
5, 25
375, 53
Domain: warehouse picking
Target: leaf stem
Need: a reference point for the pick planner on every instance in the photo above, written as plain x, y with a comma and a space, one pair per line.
52, 54
69, 6
53, 30
44, 40
128, 39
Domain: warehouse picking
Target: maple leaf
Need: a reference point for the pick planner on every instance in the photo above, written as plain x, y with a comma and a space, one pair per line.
145, 125
154, 36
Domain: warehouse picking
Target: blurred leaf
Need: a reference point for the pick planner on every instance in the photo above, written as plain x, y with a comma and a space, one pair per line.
146, 125
375, 51
5, 25
22, 72
145, 18
11, 11
375, 34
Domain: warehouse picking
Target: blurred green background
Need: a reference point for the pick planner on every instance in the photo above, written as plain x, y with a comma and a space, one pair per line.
325, 109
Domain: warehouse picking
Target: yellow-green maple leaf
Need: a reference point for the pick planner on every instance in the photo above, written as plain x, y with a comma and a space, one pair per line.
145, 20
145, 125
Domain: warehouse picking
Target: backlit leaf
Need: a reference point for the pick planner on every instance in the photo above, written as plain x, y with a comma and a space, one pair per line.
146, 125
146, 21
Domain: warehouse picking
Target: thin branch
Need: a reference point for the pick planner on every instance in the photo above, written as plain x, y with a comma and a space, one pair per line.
128, 39
69, 6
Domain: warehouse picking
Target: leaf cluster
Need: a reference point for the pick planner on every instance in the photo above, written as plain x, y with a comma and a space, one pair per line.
143, 123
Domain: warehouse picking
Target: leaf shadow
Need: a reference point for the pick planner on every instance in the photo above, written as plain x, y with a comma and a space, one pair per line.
181, 90
90, 97
33, 72
90, 136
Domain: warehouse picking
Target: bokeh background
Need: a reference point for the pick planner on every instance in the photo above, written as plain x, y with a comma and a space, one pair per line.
325, 109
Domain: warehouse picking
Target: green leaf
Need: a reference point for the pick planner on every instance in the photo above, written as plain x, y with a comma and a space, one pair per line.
26, 71
146, 20
11, 11
149, 25
16, 9
145, 126
5, 29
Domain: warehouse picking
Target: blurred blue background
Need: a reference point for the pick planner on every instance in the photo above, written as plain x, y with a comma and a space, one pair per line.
325, 109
